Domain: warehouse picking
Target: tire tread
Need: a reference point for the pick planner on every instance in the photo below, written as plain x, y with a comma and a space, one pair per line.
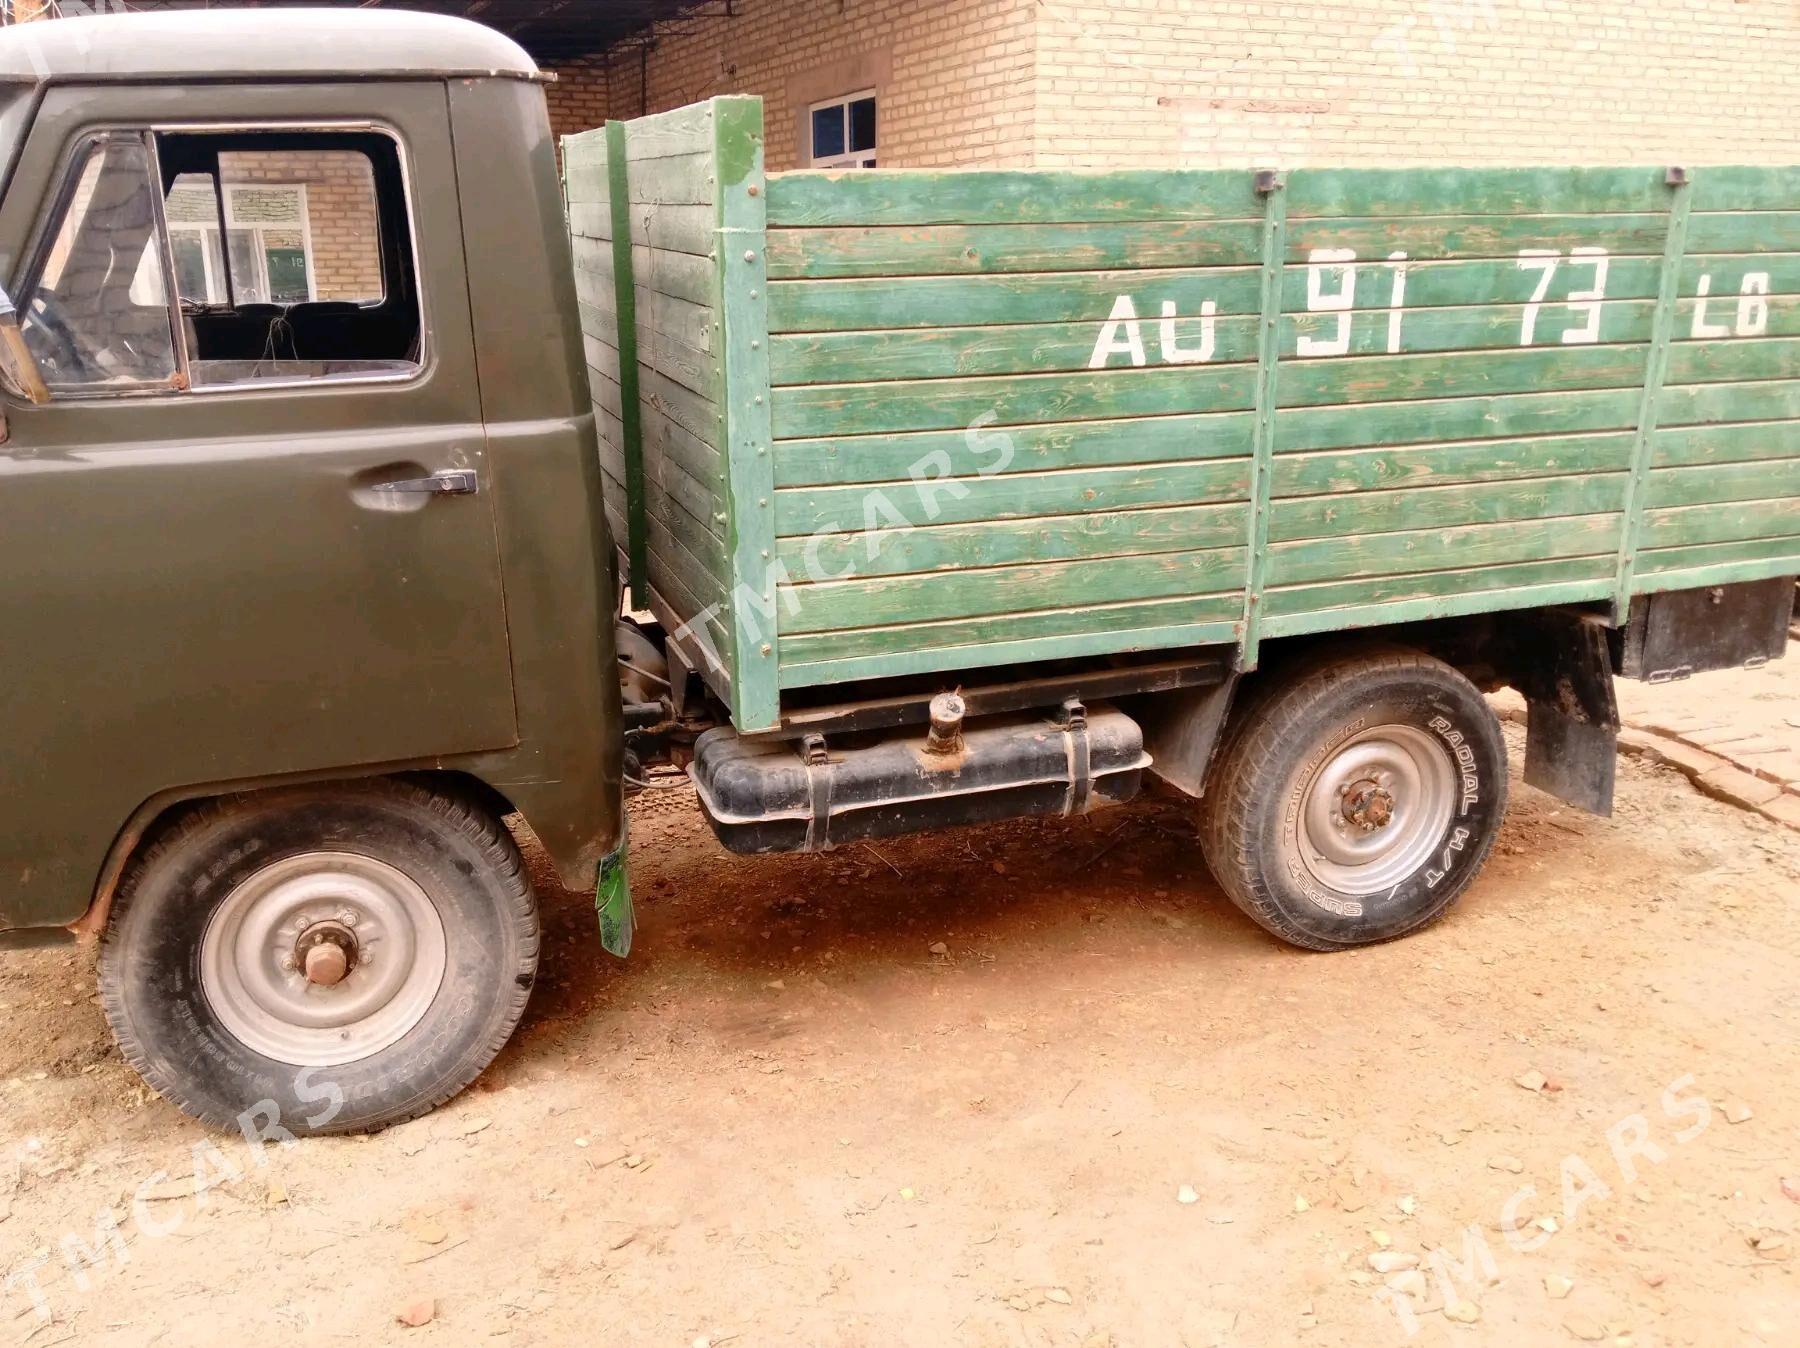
476, 825
1282, 708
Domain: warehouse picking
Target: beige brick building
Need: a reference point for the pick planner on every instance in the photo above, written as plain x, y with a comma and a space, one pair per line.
1091, 83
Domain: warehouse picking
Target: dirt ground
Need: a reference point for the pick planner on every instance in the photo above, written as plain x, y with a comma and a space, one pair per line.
1030, 1084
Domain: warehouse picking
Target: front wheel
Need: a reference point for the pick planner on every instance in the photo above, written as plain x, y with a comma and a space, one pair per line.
323, 959
1355, 799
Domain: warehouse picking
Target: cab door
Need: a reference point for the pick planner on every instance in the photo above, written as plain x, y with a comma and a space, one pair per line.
252, 533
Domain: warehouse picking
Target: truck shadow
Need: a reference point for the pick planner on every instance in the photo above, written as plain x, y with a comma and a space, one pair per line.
718, 924
722, 940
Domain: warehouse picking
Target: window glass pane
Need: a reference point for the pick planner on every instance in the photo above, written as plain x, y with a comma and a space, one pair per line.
313, 217
828, 131
310, 274
95, 318
247, 283
190, 263
192, 212
284, 262
862, 124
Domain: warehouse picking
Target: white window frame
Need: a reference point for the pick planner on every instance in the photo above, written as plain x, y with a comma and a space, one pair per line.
850, 158
215, 280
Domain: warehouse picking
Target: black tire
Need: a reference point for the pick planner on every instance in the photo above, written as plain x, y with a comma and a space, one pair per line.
1287, 738
463, 862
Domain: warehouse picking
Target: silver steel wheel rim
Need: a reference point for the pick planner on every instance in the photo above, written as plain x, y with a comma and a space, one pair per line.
1407, 769
259, 990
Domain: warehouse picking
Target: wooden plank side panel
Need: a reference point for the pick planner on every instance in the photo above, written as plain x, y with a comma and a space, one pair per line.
985, 451
1741, 443
1699, 485
1004, 349
740, 219
800, 511
1737, 187
681, 275
990, 591
1386, 467
1779, 555
1427, 477
1407, 378
1051, 538
1464, 547
584, 166
1427, 587
683, 132
1137, 625
1359, 513
1430, 237
924, 659
1027, 348
590, 220
1031, 297
1442, 420
663, 220
984, 196
1007, 400
1718, 522
1387, 193
939, 250
1355, 617
1458, 429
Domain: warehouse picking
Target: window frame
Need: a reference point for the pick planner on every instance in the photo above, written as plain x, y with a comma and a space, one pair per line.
848, 158
51, 220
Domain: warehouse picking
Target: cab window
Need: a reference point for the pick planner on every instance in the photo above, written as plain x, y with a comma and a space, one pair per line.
290, 254
86, 322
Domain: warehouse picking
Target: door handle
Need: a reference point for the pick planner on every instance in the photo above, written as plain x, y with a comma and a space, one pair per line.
448, 482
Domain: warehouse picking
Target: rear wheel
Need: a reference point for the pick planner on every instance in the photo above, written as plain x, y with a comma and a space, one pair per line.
1356, 798
331, 958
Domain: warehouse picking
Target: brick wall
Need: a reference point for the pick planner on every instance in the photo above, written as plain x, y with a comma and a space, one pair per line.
1092, 83
1418, 81
578, 99
340, 210
953, 77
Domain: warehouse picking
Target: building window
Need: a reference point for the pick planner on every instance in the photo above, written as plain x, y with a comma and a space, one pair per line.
843, 132
271, 244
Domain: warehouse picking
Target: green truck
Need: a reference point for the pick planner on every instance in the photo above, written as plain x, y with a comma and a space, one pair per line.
379, 495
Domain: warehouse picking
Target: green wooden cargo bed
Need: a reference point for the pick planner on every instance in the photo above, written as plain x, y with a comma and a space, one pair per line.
870, 423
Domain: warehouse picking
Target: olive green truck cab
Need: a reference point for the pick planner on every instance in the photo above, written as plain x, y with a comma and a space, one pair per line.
380, 499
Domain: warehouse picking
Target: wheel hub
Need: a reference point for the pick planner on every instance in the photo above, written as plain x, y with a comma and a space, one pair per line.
1368, 806
323, 958
1374, 809
326, 952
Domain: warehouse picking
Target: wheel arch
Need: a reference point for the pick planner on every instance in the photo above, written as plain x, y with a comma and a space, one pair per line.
1185, 729
159, 812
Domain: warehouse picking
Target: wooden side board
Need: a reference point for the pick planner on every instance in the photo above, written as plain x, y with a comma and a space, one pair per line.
644, 200
904, 422
1414, 392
